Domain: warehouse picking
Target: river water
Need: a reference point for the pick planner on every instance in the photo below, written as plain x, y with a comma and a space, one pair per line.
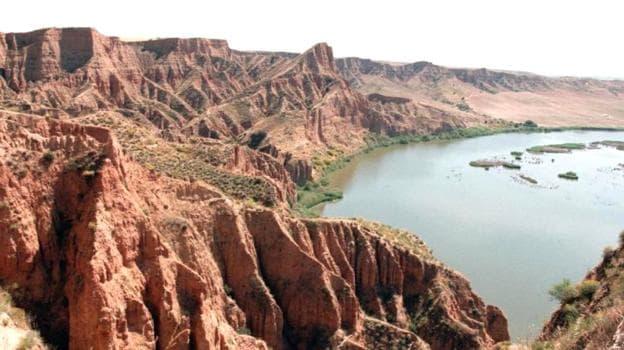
513, 240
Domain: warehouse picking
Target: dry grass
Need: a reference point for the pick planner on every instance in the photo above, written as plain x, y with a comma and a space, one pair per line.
593, 332
20, 324
399, 237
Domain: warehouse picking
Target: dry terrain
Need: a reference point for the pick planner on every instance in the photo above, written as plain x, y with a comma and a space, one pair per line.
147, 192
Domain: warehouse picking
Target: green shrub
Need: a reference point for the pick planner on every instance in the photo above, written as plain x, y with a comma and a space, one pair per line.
256, 139
530, 124
244, 331
21, 173
570, 313
463, 106
227, 289
587, 288
564, 292
48, 157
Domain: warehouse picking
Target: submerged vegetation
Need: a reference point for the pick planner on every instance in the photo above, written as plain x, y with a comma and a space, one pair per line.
314, 193
317, 192
493, 163
619, 145
528, 179
570, 175
558, 148
509, 165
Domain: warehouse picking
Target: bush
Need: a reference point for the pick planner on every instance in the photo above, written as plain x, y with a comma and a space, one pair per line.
564, 292
256, 139
530, 124
48, 157
227, 289
570, 313
244, 331
587, 288
622, 238
608, 252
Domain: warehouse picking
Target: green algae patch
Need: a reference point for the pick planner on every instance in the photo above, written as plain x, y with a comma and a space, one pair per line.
509, 165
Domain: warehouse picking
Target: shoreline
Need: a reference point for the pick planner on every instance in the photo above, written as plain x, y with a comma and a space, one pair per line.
312, 195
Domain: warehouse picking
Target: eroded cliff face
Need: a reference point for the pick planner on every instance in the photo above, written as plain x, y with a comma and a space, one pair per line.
201, 87
107, 254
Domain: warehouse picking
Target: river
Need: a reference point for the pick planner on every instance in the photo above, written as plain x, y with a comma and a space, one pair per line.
513, 240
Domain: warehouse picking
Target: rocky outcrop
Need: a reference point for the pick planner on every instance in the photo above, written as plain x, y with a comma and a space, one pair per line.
104, 253
253, 163
590, 315
201, 87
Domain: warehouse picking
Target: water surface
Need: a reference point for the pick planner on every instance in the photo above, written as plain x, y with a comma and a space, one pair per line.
512, 240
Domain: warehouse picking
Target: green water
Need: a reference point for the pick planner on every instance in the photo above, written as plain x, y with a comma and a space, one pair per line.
511, 239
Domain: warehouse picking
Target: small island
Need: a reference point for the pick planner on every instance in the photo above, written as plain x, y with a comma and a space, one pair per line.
528, 179
493, 163
558, 148
570, 175
619, 145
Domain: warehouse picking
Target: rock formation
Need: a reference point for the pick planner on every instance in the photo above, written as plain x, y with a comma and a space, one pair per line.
146, 193
107, 254
202, 87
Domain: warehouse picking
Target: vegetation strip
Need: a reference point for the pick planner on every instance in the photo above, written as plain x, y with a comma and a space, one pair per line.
314, 193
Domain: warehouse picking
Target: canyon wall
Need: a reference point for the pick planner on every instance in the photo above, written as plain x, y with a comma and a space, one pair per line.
104, 253
201, 87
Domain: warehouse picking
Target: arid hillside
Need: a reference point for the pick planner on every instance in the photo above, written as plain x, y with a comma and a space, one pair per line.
515, 97
288, 105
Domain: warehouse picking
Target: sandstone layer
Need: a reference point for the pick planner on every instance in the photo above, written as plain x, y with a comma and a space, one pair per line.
104, 253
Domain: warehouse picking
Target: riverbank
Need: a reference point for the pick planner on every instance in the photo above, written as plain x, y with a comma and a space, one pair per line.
313, 194
512, 239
